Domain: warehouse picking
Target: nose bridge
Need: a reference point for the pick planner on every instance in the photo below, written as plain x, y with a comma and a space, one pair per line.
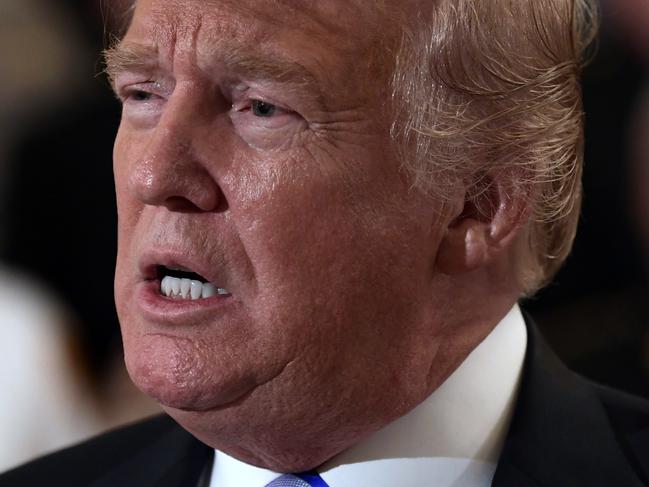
168, 171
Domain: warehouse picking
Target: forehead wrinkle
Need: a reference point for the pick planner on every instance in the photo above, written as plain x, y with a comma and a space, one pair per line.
353, 23
353, 17
239, 60
170, 34
227, 44
255, 54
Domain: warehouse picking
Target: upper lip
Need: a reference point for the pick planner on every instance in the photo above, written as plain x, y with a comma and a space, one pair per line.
152, 259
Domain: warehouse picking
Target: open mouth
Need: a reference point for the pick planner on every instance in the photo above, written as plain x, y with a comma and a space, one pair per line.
183, 284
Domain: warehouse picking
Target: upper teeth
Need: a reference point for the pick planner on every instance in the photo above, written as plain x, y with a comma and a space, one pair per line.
175, 287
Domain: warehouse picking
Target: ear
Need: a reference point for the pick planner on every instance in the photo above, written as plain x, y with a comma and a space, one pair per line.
487, 220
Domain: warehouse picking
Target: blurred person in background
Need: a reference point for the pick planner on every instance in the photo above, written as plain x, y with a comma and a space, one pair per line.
52, 393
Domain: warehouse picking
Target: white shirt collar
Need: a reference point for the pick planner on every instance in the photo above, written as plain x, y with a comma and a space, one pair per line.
456, 434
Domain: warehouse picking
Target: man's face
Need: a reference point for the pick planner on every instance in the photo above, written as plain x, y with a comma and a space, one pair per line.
254, 151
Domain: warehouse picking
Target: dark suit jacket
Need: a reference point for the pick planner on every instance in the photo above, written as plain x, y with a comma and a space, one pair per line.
565, 431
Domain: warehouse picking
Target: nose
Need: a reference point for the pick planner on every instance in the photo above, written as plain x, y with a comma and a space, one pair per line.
168, 172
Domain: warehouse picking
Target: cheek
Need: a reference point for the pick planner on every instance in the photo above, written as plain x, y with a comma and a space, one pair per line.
129, 208
121, 181
128, 211
120, 156
330, 272
123, 153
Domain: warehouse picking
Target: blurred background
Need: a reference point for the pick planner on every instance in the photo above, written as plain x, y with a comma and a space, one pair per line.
61, 373
62, 377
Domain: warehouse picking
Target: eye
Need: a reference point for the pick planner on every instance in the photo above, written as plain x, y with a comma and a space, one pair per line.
262, 109
139, 95
261, 123
142, 101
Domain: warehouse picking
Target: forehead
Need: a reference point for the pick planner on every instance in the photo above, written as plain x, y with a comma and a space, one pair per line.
330, 14
344, 27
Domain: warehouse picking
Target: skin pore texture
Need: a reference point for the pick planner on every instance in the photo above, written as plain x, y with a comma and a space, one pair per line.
255, 150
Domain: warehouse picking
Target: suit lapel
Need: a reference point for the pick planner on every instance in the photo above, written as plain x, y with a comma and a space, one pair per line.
176, 459
560, 433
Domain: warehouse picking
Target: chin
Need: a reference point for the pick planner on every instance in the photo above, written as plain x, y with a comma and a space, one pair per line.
176, 374
173, 396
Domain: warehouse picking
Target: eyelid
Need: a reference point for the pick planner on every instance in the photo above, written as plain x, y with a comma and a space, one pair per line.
140, 81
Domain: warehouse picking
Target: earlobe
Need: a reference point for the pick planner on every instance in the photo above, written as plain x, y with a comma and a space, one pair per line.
484, 229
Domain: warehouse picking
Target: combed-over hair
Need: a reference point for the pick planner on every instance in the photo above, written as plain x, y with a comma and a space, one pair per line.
485, 87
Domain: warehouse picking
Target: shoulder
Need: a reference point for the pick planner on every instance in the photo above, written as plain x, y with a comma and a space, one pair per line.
629, 418
567, 430
83, 463
626, 411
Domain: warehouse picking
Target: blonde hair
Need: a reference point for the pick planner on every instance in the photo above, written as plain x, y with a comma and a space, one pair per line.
486, 87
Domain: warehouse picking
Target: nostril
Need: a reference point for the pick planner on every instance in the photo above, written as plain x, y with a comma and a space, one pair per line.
196, 205
221, 201
181, 205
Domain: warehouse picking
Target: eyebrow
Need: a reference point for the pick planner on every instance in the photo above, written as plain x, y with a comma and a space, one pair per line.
123, 58
132, 57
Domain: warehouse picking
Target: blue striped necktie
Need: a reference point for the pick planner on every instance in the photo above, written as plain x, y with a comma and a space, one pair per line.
307, 479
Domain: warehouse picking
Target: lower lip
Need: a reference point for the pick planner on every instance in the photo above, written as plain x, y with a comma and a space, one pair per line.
158, 307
